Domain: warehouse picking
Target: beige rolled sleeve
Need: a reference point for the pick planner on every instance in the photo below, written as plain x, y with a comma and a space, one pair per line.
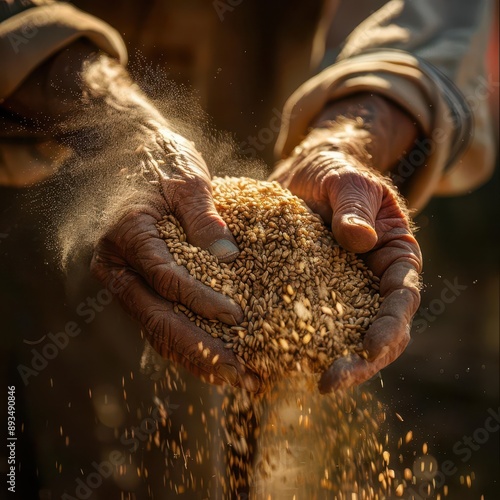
27, 39
428, 57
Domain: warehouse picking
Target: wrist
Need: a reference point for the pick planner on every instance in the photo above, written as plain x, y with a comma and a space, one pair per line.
344, 140
379, 130
107, 87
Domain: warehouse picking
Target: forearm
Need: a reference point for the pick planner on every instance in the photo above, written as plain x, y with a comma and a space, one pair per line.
77, 89
107, 88
363, 130
88, 103
111, 108
370, 127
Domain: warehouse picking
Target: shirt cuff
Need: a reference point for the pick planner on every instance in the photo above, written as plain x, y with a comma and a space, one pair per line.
434, 103
29, 38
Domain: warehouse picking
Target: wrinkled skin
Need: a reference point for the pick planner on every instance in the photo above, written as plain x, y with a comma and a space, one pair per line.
367, 217
364, 212
130, 258
133, 251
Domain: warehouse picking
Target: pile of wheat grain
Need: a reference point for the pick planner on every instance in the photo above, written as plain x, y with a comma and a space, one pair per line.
306, 300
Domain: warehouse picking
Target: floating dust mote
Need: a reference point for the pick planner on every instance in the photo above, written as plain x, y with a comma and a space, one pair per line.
306, 300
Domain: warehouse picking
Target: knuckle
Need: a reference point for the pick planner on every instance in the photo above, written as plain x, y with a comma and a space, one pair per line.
125, 296
197, 184
164, 279
156, 323
202, 223
97, 268
103, 259
131, 221
124, 223
190, 297
355, 190
411, 295
188, 187
133, 215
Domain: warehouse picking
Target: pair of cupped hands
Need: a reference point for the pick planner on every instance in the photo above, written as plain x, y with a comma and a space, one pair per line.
365, 214
337, 171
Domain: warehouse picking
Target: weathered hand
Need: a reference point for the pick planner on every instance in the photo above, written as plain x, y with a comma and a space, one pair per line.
79, 90
366, 217
133, 260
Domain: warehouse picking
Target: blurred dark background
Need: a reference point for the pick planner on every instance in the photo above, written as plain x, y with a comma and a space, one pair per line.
448, 379
445, 382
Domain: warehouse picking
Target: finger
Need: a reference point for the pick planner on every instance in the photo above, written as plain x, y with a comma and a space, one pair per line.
393, 319
384, 342
353, 370
355, 200
398, 250
191, 201
175, 337
399, 262
147, 254
204, 227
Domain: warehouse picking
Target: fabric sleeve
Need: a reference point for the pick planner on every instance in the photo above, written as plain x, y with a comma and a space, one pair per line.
31, 31
428, 56
31, 36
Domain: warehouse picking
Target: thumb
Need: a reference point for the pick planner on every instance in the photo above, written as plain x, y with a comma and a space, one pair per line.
355, 200
188, 194
203, 226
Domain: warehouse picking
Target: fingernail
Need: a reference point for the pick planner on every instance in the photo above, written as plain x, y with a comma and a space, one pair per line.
228, 373
250, 382
227, 318
224, 250
357, 221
